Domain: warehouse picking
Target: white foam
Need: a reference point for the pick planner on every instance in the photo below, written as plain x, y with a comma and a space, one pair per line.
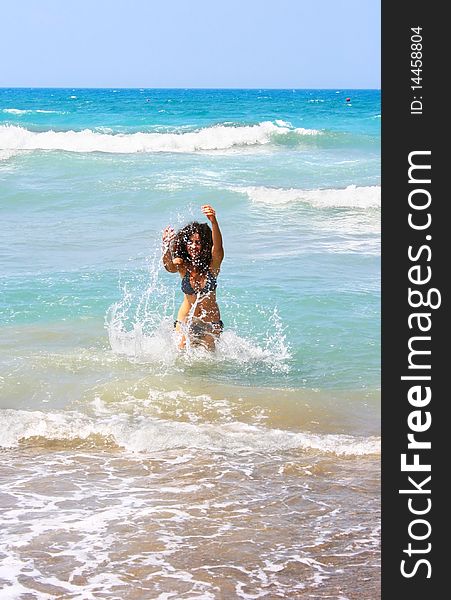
350, 197
160, 348
19, 111
147, 434
218, 137
5, 154
15, 111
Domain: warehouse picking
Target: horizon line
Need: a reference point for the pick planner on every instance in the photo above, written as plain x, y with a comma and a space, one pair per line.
65, 87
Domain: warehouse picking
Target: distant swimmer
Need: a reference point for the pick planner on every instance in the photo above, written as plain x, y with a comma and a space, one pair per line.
196, 253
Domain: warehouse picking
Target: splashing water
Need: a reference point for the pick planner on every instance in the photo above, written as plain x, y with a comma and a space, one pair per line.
140, 326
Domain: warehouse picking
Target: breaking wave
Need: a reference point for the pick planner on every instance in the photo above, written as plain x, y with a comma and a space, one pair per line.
350, 197
217, 137
146, 434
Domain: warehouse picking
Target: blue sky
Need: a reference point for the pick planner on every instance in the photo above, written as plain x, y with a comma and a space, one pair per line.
191, 43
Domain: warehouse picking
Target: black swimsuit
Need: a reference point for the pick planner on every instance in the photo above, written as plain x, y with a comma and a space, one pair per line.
201, 328
210, 284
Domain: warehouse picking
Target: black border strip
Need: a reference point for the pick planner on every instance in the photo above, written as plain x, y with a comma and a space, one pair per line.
406, 130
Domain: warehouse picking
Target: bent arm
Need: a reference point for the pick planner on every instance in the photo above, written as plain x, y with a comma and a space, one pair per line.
170, 264
217, 251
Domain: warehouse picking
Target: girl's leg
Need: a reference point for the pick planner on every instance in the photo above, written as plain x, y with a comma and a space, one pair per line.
178, 329
208, 341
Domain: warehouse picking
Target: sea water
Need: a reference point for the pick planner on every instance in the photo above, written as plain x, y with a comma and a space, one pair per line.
131, 469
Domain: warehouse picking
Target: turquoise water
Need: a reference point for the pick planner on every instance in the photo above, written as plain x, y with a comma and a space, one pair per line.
131, 469
294, 177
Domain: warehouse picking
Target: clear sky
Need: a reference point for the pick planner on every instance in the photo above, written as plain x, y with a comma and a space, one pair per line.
191, 43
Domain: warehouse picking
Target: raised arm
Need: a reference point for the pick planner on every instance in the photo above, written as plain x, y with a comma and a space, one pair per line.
217, 251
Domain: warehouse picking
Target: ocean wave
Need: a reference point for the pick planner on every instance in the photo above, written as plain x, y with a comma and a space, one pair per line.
352, 196
217, 137
6, 154
16, 111
148, 434
19, 111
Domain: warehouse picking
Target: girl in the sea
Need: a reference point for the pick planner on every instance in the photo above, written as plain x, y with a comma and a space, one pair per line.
196, 253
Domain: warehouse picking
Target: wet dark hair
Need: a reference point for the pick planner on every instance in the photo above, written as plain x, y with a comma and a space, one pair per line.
206, 240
